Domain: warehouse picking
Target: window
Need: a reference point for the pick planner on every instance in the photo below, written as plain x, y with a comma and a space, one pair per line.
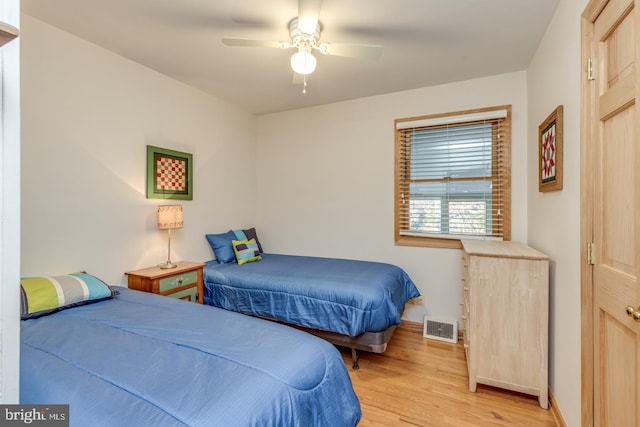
452, 176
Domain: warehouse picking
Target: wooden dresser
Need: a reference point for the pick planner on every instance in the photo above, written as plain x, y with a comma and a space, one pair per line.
506, 316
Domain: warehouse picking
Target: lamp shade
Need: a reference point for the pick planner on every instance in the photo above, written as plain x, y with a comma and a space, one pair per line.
303, 62
169, 217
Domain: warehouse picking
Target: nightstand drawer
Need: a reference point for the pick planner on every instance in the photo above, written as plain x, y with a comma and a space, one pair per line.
190, 294
177, 281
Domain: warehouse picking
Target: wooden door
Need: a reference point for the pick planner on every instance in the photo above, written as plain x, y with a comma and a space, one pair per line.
612, 180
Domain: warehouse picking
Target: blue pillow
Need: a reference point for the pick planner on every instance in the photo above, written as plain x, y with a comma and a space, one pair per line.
222, 246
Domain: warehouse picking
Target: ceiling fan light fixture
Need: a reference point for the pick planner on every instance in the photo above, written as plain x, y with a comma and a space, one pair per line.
303, 62
308, 24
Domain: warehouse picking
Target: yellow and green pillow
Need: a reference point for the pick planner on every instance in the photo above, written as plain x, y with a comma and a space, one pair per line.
44, 295
246, 251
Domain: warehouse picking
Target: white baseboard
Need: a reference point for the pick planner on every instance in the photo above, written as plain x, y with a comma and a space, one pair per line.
414, 313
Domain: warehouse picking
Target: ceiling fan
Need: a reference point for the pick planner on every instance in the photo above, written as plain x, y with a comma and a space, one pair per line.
305, 30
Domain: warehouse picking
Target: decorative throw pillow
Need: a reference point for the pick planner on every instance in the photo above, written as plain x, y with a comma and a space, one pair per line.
40, 296
222, 246
240, 235
251, 234
246, 251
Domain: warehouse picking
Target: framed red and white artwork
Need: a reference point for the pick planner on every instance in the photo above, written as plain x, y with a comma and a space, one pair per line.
169, 174
550, 152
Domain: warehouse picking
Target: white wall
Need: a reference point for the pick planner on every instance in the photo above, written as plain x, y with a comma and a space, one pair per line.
553, 78
10, 209
87, 116
326, 180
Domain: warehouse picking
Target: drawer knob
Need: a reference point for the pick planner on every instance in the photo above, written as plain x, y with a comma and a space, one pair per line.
180, 280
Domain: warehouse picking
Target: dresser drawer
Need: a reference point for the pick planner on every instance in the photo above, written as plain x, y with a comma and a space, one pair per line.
465, 309
177, 281
466, 326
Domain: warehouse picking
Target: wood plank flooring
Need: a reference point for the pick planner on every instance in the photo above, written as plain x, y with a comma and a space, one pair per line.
421, 382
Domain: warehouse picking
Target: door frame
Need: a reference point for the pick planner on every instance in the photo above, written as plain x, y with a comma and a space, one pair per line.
587, 131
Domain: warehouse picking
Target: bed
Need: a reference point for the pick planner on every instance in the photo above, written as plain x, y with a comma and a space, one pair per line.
351, 303
145, 360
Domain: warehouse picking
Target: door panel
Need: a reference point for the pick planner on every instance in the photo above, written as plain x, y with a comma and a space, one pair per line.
614, 201
617, 371
616, 178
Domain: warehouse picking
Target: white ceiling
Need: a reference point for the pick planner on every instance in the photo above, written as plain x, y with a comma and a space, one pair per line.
426, 42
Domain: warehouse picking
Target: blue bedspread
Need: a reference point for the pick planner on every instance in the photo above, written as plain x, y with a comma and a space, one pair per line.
146, 360
344, 296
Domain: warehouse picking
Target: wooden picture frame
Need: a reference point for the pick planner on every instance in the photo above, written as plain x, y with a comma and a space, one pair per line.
550, 152
169, 174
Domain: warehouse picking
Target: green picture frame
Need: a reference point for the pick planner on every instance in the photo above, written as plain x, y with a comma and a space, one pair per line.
169, 174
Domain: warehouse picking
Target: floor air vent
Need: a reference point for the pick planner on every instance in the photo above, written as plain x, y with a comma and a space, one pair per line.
441, 329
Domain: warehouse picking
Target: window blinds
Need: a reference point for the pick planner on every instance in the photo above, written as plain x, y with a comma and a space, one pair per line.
453, 175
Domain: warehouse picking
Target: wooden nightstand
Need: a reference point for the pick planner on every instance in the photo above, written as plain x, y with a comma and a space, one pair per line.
184, 281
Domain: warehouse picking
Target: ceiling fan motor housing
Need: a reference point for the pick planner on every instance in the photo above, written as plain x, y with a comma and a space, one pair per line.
301, 40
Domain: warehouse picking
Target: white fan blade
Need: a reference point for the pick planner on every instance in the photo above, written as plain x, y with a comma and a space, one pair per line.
352, 50
308, 13
238, 41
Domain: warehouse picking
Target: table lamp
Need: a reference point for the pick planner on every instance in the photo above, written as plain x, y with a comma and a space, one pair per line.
169, 217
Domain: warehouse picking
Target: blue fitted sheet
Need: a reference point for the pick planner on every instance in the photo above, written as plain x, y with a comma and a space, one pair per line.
146, 360
345, 296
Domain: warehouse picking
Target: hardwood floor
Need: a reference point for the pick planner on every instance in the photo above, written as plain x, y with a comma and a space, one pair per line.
421, 382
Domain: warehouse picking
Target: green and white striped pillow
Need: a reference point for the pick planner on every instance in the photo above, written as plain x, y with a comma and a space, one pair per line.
46, 295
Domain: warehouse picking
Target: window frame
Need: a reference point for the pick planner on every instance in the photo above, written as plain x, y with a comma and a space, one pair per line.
448, 241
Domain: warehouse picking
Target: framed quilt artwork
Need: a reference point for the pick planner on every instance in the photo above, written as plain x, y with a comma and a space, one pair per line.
169, 174
550, 152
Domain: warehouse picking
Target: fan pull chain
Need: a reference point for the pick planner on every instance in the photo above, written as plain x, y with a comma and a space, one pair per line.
304, 84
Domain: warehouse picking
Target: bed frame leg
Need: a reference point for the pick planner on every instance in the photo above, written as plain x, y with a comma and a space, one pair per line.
354, 357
